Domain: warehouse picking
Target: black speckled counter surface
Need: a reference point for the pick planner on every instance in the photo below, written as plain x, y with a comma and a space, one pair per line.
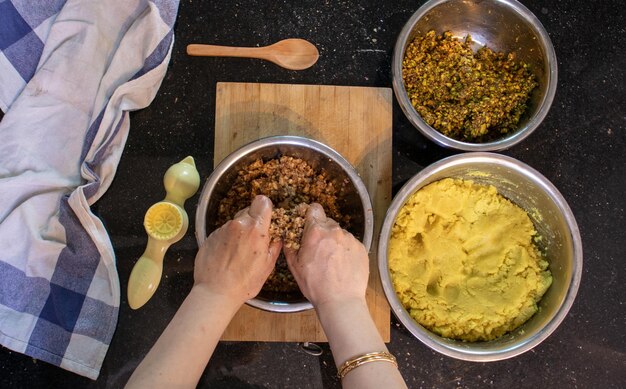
580, 147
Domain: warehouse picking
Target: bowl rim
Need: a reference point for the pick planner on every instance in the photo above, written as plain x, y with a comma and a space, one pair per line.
270, 141
436, 136
434, 341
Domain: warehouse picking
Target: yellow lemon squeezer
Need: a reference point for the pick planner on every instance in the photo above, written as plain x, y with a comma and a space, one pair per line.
166, 222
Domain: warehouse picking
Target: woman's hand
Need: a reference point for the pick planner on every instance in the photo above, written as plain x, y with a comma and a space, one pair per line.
332, 269
331, 265
231, 267
236, 259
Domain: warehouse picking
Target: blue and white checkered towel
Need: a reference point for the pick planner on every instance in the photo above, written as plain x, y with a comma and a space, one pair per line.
70, 71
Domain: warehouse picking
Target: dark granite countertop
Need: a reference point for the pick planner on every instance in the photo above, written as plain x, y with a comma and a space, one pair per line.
580, 147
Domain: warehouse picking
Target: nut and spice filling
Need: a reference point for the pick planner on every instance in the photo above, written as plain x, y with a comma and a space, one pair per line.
465, 95
292, 184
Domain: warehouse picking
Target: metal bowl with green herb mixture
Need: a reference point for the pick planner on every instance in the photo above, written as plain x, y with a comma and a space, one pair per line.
474, 75
466, 95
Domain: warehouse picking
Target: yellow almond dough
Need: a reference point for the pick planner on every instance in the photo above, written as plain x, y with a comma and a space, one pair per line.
463, 261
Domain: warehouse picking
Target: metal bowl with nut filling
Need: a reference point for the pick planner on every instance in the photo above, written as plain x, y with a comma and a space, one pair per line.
504, 26
559, 242
353, 200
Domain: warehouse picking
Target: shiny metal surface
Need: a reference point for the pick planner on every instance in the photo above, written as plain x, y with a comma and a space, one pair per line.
502, 25
354, 201
560, 242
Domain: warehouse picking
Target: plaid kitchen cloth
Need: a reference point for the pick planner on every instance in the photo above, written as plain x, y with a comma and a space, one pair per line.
70, 70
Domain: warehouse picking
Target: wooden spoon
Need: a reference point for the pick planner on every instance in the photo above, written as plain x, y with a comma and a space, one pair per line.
293, 54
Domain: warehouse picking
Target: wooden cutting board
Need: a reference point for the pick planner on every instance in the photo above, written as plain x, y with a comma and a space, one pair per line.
356, 122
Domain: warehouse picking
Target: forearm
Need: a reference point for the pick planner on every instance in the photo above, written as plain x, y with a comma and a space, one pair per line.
351, 332
182, 352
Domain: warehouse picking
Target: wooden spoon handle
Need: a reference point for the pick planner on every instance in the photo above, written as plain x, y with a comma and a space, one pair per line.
225, 51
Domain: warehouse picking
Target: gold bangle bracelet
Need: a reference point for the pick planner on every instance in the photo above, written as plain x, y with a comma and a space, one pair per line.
353, 363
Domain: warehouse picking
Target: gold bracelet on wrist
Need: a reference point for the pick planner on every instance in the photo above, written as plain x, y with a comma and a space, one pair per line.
353, 363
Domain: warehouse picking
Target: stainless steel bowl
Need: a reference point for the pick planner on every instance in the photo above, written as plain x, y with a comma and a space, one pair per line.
554, 222
502, 25
355, 200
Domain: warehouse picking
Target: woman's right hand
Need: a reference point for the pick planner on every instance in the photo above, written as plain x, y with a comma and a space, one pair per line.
331, 266
332, 269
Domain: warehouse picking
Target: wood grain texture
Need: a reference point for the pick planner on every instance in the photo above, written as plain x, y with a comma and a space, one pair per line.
357, 123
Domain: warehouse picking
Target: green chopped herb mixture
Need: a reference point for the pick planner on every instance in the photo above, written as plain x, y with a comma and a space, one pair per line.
466, 95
